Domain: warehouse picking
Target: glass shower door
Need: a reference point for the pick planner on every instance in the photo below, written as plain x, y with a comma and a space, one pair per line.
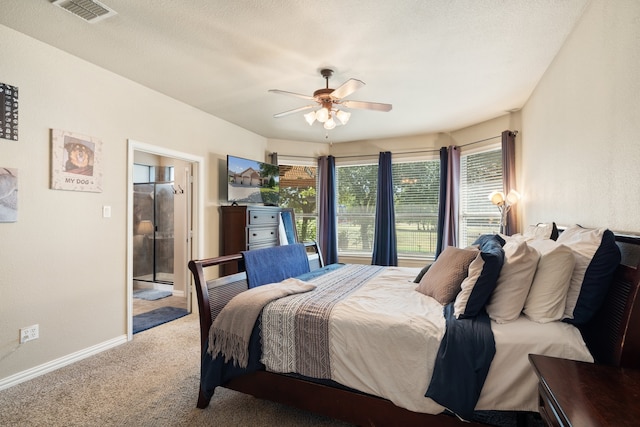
153, 232
163, 269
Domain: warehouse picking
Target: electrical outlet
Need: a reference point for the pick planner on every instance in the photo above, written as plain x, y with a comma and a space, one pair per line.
29, 333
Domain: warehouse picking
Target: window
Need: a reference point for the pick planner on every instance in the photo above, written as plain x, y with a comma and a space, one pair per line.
357, 187
416, 188
480, 174
298, 185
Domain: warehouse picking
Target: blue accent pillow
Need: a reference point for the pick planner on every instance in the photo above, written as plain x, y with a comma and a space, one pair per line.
490, 239
275, 264
597, 279
422, 273
482, 278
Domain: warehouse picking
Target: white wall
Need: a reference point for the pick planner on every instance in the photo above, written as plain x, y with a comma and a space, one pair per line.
62, 265
581, 126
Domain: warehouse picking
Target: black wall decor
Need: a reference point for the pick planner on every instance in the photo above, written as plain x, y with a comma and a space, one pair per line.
8, 112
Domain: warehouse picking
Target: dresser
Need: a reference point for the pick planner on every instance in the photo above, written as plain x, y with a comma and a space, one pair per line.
247, 227
584, 394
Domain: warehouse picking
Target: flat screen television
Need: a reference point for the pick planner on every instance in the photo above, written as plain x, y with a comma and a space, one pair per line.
252, 182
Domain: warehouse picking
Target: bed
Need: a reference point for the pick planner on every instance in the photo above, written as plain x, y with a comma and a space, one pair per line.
358, 390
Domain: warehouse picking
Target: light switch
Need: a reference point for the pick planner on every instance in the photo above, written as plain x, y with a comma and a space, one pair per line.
106, 212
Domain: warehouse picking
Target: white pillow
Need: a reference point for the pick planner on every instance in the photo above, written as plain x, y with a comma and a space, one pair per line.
541, 231
508, 298
548, 295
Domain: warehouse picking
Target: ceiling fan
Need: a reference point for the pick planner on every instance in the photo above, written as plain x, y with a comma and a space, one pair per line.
329, 100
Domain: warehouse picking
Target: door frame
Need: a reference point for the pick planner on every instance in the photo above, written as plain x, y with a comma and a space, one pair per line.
196, 190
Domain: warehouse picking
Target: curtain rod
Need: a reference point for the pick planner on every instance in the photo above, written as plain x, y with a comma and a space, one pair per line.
406, 152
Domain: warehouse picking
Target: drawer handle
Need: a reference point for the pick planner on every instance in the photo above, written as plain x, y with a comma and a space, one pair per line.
254, 234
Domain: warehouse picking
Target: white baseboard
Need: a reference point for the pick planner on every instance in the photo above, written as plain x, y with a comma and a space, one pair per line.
60, 362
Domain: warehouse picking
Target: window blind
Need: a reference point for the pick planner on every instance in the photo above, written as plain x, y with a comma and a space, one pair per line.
480, 174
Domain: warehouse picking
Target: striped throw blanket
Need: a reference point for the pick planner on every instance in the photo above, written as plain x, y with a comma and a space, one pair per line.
295, 329
231, 331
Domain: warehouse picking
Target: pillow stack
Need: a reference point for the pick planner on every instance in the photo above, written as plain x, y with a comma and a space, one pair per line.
484, 270
443, 278
508, 298
548, 294
596, 258
542, 231
539, 274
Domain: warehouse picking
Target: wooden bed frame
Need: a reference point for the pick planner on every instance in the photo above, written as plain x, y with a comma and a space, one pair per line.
613, 337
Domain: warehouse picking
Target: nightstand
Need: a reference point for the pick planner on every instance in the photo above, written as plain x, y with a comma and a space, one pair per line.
585, 394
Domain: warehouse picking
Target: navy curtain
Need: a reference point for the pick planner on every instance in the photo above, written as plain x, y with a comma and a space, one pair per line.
452, 198
385, 248
509, 177
327, 212
444, 156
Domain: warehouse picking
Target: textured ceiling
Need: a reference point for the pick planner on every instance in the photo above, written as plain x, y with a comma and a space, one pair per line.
442, 64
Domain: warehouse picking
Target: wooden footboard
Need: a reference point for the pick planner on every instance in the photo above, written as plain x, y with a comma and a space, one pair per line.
213, 294
611, 336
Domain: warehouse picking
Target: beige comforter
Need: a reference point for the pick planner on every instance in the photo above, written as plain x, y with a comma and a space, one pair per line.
385, 336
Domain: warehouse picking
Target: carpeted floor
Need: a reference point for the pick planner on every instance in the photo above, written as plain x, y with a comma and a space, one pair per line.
150, 381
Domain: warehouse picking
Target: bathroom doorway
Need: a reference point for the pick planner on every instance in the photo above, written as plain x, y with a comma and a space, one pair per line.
164, 216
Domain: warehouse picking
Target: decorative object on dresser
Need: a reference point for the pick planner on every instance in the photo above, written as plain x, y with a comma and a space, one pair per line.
249, 227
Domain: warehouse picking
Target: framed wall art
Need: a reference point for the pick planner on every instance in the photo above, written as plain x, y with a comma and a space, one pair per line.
8, 194
76, 162
8, 112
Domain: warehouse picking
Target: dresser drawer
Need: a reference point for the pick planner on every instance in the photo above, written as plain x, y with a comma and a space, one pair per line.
261, 245
261, 234
262, 217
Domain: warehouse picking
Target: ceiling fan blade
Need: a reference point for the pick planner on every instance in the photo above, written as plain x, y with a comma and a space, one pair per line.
296, 110
347, 88
377, 106
297, 95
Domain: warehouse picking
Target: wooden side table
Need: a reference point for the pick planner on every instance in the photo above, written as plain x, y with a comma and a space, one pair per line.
585, 394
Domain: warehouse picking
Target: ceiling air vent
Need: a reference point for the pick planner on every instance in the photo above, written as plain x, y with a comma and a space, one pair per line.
89, 10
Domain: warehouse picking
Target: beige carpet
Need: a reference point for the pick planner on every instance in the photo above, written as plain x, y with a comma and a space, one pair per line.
150, 381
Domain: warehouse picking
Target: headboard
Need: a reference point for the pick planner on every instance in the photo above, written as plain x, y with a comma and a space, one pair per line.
613, 334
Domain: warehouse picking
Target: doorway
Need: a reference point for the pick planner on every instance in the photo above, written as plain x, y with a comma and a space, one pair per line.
163, 228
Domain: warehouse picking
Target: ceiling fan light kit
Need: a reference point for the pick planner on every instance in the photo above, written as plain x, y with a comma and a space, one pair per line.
329, 99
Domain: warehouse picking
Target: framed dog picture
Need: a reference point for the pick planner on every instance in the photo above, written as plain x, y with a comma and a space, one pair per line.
75, 162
